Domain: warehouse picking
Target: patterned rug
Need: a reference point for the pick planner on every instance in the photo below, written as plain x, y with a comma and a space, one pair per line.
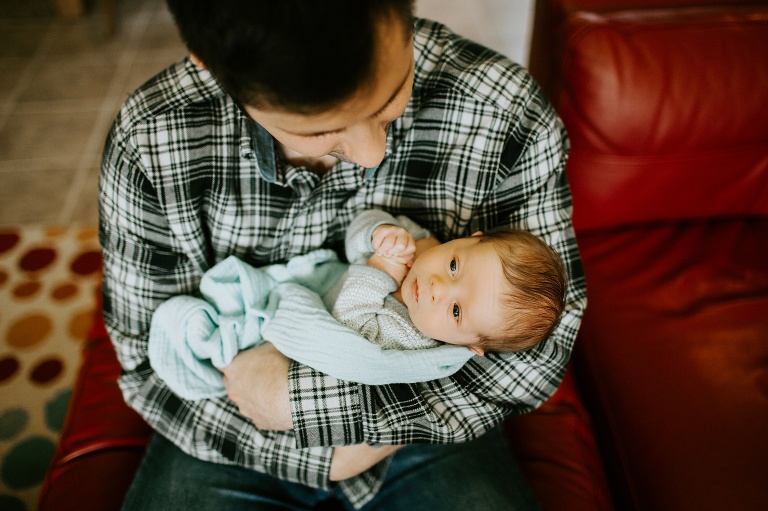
48, 283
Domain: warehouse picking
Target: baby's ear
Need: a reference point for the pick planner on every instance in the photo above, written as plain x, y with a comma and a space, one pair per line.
477, 233
477, 350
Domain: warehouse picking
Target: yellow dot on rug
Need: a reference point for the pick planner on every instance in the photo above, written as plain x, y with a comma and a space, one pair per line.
29, 331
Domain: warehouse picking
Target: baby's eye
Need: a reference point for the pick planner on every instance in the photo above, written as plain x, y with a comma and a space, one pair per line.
453, 266
456, 312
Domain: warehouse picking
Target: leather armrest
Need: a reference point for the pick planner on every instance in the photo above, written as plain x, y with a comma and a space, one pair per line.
103, 440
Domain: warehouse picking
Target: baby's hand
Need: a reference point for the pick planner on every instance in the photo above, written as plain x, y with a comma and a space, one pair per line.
394, 242
390, 266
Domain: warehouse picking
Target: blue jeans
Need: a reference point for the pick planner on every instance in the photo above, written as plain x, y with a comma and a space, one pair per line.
479, 475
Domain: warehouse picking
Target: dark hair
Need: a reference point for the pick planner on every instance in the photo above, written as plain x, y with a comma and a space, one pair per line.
299, 55
535, 294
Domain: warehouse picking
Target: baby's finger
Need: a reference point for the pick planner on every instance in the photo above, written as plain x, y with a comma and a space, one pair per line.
387, 245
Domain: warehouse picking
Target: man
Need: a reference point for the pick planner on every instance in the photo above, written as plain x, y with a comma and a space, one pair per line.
318, 110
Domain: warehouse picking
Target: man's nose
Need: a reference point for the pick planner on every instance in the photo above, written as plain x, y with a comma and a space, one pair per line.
366, 143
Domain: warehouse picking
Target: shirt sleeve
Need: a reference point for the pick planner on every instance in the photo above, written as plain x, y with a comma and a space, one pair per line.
144, 264
461, 407
357, 242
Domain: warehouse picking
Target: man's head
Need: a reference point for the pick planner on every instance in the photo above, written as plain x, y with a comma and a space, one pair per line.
501, 291
322, 77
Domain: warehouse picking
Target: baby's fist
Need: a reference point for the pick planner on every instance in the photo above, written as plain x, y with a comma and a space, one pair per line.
395, 242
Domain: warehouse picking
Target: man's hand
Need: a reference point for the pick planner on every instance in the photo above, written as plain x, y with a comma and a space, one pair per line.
350, 460
257, 381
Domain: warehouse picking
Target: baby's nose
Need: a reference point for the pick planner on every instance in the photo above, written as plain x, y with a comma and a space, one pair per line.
437, 288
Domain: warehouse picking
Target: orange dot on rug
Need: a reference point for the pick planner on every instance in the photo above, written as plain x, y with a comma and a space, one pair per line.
80, 324
29, 331
26, 289
64, 291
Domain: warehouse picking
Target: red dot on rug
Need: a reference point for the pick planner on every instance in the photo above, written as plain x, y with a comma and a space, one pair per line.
46, 371
37, 259
26, 289
28, 331
87, 262
8, 367
8, 240
64, 291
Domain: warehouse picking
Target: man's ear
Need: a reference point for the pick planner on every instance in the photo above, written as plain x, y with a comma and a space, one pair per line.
477, 233
196, 61
476, 349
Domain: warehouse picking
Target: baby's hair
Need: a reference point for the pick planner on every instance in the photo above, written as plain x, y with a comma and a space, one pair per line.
534, 298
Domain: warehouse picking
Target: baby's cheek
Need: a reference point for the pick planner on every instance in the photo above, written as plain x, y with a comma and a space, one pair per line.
421, 322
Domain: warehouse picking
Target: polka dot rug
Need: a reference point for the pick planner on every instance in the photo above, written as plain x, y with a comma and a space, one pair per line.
49, 278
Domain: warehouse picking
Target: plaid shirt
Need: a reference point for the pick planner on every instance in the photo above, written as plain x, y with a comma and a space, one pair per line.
188, 180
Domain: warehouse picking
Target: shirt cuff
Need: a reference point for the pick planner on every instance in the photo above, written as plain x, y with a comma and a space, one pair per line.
326, 411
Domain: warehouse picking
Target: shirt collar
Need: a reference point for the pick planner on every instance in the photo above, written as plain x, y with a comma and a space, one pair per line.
257, 144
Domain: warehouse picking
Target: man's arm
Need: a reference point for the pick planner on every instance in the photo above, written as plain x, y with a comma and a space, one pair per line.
144, 264
328, 411
533, 194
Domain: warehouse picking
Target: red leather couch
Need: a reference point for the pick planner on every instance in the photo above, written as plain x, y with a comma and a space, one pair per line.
667, 113
665, 404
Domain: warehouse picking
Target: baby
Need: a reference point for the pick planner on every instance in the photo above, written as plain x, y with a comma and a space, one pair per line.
499, 291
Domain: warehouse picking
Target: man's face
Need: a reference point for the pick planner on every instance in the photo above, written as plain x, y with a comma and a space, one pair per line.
356, 130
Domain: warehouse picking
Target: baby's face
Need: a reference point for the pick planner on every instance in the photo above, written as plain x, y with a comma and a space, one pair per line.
453, 291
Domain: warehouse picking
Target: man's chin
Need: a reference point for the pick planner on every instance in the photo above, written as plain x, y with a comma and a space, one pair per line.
342, 157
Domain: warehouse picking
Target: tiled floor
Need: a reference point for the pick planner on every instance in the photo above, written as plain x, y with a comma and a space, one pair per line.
61, 83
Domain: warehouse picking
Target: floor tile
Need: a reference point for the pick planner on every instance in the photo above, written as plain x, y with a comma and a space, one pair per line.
85, 41
22, 38
28, 197
15, 9
161, 35
86, 210
41, 135
9, 79
57, 79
